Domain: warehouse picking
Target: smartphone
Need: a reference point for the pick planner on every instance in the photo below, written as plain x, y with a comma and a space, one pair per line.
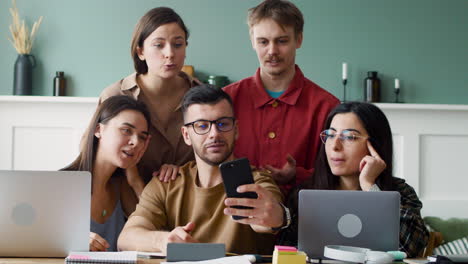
236, 173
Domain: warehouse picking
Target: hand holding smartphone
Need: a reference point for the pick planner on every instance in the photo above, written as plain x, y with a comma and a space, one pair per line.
236, 173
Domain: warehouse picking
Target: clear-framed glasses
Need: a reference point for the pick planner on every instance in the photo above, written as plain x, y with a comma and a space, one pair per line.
346, 136
223, 124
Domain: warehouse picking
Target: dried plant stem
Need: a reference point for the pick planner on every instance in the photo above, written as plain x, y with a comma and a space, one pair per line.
21, 39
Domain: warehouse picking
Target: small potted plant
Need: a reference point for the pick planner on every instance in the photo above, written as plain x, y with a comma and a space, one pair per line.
22, 41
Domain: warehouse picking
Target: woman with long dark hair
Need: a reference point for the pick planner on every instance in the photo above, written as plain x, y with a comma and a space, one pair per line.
116, 139
357, 154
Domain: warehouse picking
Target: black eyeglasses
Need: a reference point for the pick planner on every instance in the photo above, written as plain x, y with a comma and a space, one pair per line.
223, 124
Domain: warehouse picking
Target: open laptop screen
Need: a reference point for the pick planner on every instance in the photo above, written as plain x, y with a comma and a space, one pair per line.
44, 213
348, 218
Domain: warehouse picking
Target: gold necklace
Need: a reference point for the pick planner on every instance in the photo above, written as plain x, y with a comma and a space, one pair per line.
104, 212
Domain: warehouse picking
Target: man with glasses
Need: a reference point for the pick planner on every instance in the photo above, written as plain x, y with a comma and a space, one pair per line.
194, 207
280, 111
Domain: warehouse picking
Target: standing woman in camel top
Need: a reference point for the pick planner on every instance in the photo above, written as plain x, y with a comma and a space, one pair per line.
158, 51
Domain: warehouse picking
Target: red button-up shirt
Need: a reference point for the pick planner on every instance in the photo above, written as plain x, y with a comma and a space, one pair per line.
269, 128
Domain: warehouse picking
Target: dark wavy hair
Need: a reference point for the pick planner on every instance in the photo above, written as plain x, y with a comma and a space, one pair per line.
107, 110
380, 136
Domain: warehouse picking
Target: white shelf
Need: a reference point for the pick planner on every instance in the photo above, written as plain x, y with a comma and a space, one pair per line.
48, 99
73, 99
422, 107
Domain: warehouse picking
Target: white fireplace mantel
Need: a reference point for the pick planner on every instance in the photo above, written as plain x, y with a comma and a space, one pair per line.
430, 143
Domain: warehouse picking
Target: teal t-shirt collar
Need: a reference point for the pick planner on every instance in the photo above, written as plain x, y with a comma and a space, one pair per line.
274, 94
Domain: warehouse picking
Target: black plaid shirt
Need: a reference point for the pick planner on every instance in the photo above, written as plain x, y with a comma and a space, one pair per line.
413, 232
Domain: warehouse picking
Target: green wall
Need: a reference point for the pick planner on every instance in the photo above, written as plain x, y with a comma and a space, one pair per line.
424, 43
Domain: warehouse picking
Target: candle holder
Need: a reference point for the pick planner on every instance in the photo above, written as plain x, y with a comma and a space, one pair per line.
345, 81
397, 93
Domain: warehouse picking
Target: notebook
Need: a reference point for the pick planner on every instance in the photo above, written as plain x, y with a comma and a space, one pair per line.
349, 218
127, 257
44, 213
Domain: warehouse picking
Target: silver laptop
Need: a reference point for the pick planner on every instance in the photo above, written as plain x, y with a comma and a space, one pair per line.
348, 218
44, 213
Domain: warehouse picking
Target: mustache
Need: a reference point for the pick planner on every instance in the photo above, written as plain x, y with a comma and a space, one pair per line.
215, 142
273, 57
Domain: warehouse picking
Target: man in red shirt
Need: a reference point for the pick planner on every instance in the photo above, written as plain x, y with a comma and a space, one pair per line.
280, 112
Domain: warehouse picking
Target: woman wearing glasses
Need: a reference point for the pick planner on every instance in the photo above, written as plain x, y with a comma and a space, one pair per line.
158, 50
357, 154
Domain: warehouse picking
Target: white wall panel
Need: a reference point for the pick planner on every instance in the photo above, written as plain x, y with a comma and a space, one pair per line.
431, 154
41, 132
43, 148
442, 167
398, 156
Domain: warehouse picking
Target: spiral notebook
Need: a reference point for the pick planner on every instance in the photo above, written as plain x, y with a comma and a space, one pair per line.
124, 257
